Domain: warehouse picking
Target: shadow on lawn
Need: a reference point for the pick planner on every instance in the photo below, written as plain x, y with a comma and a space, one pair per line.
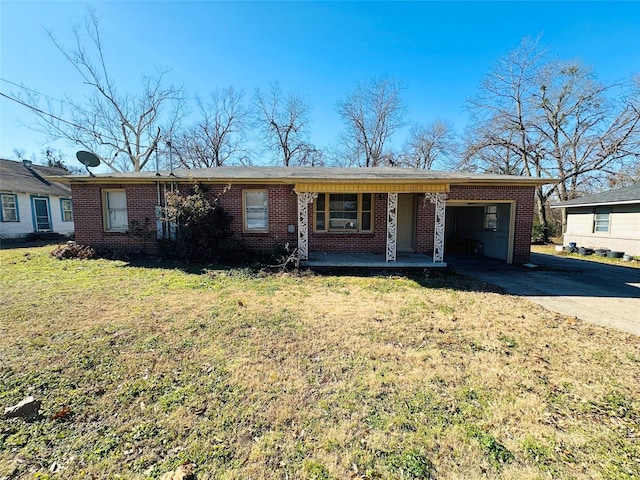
438, 278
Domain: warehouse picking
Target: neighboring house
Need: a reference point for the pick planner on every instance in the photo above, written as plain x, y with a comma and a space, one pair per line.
32, 202
605, 220
330, 214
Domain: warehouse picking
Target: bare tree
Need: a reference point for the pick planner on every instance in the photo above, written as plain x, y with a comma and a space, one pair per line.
283, 120
371, 113
587, 132
123, 128
217, 139
20, 153
495, 158
427, 146
631, 174
49, 157
52, 157
545, 118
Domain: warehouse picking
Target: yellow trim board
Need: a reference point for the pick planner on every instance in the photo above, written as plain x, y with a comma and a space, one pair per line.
371, 187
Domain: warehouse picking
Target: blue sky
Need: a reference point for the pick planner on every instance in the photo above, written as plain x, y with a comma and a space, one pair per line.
440, 51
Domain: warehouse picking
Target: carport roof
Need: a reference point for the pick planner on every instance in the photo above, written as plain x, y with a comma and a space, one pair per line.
288, 175
619, 196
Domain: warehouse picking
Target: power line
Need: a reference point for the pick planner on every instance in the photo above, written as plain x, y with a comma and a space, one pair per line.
48, 114
98, 136
27, 89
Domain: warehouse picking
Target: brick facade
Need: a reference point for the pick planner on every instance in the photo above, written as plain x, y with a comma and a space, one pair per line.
282, 213
523, 197
88, 217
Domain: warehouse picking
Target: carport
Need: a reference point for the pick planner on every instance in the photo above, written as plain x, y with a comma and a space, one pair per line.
480, 228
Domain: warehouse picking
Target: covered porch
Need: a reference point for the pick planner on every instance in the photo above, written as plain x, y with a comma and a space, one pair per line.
396, 230
371, 260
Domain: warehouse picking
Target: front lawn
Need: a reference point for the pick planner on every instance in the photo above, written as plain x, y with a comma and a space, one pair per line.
260, 376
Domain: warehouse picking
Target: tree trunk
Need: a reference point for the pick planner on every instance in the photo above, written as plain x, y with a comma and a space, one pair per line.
542, 214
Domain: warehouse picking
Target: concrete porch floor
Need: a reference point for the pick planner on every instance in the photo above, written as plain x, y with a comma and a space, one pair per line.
367, 260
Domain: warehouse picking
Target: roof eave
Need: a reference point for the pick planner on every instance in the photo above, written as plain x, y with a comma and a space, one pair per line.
76, 179
595, 204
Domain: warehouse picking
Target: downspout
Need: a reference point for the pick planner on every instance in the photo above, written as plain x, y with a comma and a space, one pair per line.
165, 226
159, 214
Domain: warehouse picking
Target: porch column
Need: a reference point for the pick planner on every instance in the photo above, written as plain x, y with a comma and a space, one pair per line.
438, 234
304, 199
392, 226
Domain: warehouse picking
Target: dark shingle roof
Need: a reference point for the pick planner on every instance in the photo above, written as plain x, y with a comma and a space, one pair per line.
15, 177
629, 194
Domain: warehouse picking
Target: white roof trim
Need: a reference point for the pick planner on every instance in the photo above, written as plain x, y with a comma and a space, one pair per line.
598, 204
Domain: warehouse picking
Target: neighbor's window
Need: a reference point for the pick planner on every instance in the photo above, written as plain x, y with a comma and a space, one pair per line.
9, 208
67, 209
343, 211
256, 210
601, 221
491, 217
115, 210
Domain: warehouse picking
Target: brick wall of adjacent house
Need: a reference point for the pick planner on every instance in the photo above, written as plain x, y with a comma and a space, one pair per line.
282, 205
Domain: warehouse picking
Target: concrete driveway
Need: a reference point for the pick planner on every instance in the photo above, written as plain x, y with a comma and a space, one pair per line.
605, 294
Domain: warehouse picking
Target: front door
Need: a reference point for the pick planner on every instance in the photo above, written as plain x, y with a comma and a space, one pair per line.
41, 214
406, 222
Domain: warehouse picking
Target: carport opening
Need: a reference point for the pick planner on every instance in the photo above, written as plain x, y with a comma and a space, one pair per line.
478, 229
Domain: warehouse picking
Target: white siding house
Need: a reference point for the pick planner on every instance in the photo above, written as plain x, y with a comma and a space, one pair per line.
30, 204
605, 220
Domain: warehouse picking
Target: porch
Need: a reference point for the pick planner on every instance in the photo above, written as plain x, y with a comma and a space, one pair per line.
366, 260
352, 211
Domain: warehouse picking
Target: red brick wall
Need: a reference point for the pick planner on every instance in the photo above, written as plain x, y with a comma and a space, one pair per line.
523, 196
88, 217
141, 203
425, 228
283, 211
142, 199
353, 242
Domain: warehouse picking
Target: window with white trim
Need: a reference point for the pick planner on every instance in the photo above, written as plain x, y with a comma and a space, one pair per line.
490, 217
9, 208
255, 210
115, 210
339, 212
66, 210
601, 221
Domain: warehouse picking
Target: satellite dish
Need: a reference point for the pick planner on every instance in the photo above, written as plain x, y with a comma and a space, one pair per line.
88, 159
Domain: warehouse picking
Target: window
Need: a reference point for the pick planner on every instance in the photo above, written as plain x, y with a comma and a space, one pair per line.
66, 209
9, 208
491, 217
344, 211
256, 211
601, 221
115, 210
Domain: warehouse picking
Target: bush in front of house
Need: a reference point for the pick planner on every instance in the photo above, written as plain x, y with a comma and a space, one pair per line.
202, 227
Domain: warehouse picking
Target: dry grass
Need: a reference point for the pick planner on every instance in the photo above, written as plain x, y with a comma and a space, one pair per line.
255, 376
